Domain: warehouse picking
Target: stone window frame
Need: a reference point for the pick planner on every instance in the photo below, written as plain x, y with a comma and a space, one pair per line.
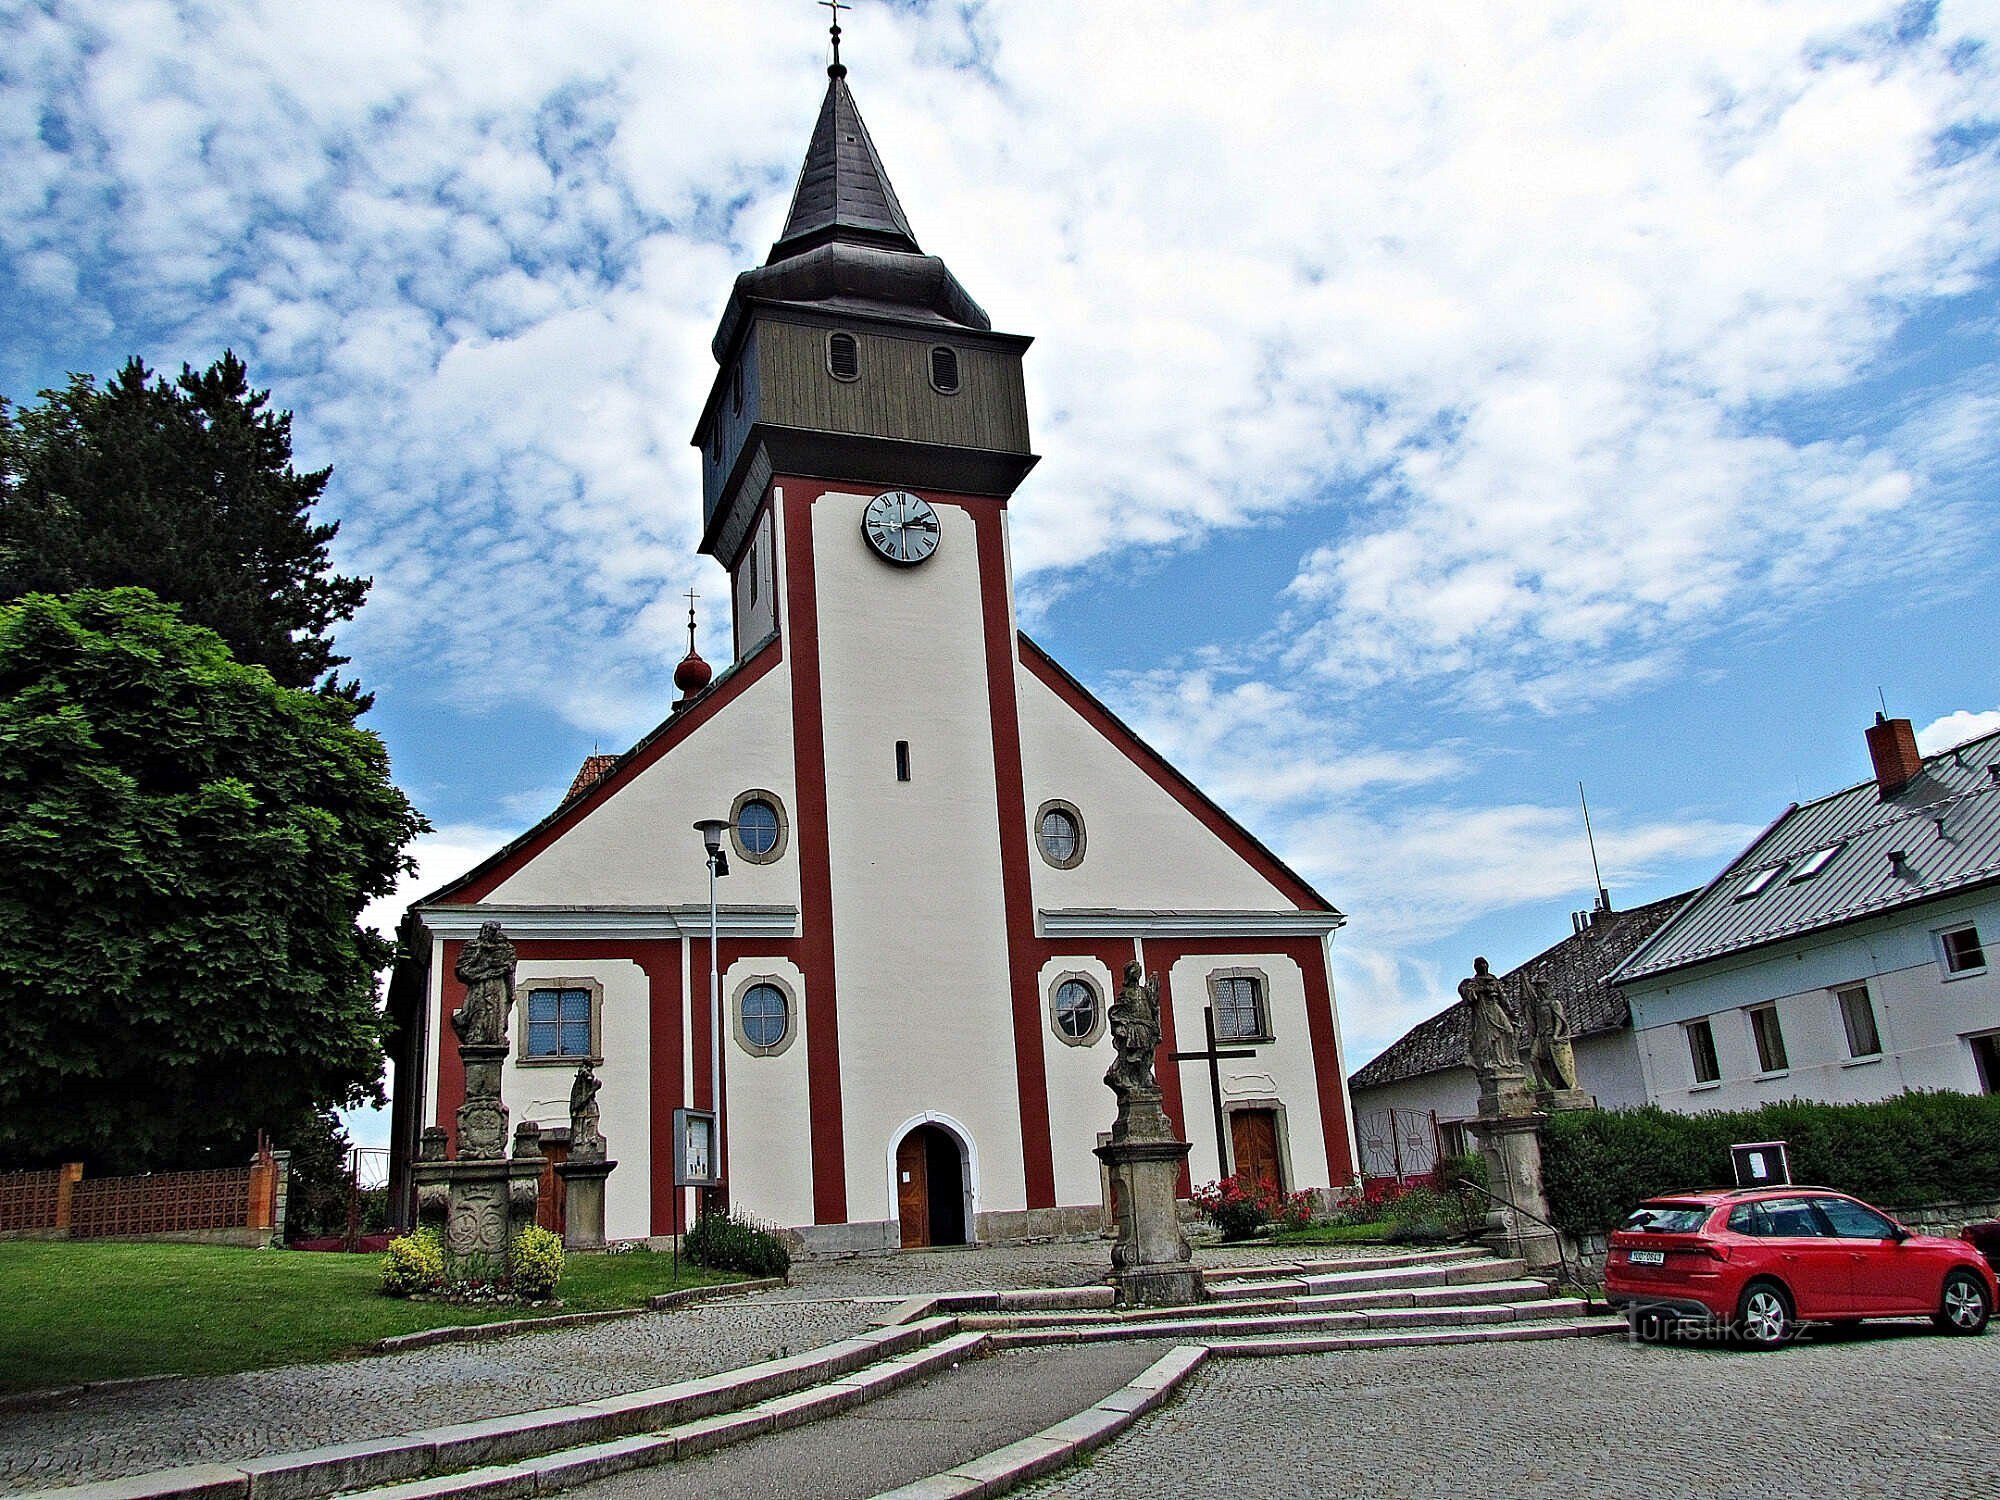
784, 987
1075, 815
1096, 1031
1266, 1033
561, 1059
742, 851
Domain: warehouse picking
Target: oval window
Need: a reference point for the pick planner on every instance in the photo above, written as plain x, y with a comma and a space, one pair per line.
1059, 834
766, 1015
1076, 1009
944, 369
757, 826
843, 356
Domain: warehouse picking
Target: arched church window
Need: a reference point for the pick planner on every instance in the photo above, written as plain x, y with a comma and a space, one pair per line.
944, 369
1059, 834
843, 356
760, 828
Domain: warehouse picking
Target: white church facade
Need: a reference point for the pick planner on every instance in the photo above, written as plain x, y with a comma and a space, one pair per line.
943, 849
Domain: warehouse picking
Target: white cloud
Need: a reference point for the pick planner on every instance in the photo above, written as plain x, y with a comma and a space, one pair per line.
1956, 728
441, 855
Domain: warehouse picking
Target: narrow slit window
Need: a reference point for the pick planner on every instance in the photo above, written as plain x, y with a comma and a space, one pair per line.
944, 369
902, 760
736, 389
843, 356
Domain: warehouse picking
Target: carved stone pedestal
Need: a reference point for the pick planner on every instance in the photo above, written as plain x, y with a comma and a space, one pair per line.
1152, 1263
1512, 1146
1505, 1091
583, 1198
1552, 1101
477, 1206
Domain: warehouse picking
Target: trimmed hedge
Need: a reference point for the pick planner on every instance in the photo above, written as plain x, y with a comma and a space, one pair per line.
1913, 1149
729, 1242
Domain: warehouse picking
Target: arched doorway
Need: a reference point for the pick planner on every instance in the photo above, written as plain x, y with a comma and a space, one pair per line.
932, 1187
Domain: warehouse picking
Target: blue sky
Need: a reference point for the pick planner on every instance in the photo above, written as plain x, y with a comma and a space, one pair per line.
1437, 409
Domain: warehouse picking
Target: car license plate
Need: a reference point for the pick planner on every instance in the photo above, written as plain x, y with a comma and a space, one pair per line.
1647, 1257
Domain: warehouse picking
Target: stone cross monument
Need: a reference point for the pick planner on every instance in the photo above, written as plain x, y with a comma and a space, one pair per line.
1152, 1261
584, 1173
482, 1198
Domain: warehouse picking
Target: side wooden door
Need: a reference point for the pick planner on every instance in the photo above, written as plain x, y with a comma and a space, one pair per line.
1253, 1136
913, 1190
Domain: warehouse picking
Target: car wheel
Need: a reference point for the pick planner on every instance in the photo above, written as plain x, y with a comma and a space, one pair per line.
1764, 1315
1965, 1306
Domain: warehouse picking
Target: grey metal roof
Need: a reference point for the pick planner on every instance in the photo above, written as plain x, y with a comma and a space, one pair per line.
1945, 825
1576, 971
843, 191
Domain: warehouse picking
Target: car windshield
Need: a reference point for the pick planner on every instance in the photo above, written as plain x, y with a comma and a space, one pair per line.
1667, 1218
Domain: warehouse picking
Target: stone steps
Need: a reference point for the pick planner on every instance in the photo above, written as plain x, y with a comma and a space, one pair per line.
527, 1452
1307, 1266
1458, 1270
1471, 1294
1560, 1328
1195, 1325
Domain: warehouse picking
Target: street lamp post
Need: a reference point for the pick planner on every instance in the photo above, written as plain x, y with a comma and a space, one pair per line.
711, 830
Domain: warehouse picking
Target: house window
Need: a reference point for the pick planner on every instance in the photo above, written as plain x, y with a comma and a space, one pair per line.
1701, 1051
1770, 1039
1240, 1013
759, 830
559, 1021
1076, 1010
1857, 1016
1986, 1062
1960, 951
763, 1014
944, 369
1755, 885
1814, 862
843, 356
1452, 1139
1059, 834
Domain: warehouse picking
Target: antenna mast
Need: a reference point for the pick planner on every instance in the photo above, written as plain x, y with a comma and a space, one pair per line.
1596, 874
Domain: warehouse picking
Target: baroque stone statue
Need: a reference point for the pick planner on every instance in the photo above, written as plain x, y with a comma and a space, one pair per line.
1496, 1041
1551, 1058
586, 1142
1134, 1023
486, 967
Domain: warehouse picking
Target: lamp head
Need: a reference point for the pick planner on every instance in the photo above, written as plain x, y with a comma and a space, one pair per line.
711, 833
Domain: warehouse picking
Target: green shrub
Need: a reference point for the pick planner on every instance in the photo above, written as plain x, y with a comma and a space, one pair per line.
415, 1263
1914, 1149
535, 1264
727, 1242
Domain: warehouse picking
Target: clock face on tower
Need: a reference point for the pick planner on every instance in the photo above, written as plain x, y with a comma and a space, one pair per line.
900, 526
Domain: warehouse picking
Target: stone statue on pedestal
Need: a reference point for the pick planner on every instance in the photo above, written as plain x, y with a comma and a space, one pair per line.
1152, 1261
584, 1173
1496, 1041
486, 968
1550, 1055
585, 1142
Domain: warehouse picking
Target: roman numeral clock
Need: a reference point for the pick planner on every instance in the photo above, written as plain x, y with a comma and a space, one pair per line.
901, 527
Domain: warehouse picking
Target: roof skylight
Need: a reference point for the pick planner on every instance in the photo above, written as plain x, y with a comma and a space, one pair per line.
1755, 885
1814, 862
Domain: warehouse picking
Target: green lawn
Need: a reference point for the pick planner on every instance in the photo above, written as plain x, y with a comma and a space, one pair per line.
1335, 1234
79, 1311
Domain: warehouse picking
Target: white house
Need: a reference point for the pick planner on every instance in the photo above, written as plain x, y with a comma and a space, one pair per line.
1843, 955
944, 849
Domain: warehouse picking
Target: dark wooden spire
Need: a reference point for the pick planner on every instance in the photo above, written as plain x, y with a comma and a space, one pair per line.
843, 194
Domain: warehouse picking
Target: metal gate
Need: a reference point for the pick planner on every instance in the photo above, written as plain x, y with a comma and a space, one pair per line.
1397, 1145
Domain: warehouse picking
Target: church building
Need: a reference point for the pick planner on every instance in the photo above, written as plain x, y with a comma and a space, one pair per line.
942, 849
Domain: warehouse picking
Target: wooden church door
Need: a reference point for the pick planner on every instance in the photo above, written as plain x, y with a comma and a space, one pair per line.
913, 1191
1253, 1136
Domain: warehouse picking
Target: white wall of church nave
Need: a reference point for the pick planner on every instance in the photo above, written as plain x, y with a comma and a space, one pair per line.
1282, 1069
1080, 1106
1142, 848
540, 1091
769, 1126
920, 942
639, 847
754, 589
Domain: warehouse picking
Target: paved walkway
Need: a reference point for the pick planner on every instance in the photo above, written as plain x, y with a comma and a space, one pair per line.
105, 1434
1895, 1410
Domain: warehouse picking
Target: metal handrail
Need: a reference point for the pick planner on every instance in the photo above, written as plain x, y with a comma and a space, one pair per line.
1562, 1260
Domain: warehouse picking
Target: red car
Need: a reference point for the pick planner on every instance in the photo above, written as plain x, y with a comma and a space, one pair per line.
1761, 1261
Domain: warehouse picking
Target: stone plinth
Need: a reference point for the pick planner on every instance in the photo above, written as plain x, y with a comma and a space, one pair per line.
478, 1206
1505, 1091
583, 1203
1152, 1263
1512, 1146
1554, 1101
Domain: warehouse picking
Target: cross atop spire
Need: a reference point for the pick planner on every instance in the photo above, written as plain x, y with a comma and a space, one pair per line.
836, 69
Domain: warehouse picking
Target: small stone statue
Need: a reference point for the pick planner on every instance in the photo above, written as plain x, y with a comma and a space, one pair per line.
1550, 1057
1496, 1041
1134, 1022
486, 967
586, 1143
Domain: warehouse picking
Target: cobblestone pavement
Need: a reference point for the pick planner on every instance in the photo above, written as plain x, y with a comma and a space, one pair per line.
104, 1434
1891, 1411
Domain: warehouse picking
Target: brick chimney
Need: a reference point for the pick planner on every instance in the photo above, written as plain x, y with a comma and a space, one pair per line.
1892, 745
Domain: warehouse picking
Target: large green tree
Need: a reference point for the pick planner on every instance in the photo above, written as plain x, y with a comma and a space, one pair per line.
185, 488
185, 848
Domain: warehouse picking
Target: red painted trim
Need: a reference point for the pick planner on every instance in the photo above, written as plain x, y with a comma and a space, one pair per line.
1017, 892
1169, 1073
1244, 843
451, 1070
816, 916
660, 959
480, 882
